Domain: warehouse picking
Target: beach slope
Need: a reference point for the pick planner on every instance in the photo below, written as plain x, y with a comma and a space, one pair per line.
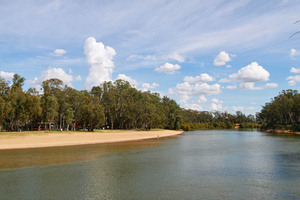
52, 139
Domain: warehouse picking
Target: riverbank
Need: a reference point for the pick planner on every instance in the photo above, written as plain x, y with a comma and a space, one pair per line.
282, 131
54, 139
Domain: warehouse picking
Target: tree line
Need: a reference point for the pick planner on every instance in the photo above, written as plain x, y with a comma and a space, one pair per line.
197, 120
283, 112
113, 105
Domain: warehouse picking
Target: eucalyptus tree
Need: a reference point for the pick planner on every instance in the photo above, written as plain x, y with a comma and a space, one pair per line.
90, 114
4, 108
16, 110
50, 106
173, 113
110, 103
283, 110
33, 108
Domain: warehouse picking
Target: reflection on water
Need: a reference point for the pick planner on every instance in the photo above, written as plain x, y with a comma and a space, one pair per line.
10, 159
199, 165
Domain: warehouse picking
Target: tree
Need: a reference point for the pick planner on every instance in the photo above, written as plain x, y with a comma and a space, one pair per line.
282, 111
33, 109
49, 100
173, 113
91, 115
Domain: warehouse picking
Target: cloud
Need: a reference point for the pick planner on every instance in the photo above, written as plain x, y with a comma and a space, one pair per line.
147, 86
238, 108
249, 86
216, 104
271, 85
141, 57
251, 73
222, 58
216, 101
199, 79
248, 76
294, 52
231, 87
59, 52
193, 106
173, 56
186, 90
168, 68
295, 70
50, 73
100, 59
293, 79
225, 80
176, 57
132, 82
201, 99
6, 75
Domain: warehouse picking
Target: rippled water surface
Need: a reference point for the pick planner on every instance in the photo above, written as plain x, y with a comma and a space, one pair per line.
196, 165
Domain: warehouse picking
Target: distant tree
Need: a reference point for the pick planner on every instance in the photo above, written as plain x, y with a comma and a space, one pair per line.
283, 110
51, 89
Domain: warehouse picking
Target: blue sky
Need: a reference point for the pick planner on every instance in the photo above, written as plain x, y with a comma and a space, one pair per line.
207, 55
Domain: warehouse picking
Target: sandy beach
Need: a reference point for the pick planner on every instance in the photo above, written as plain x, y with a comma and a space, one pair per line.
52, 139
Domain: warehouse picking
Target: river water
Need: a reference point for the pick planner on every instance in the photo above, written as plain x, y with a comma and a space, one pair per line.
196, 165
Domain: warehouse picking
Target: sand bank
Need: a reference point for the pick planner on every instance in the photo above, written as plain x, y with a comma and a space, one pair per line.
52, 139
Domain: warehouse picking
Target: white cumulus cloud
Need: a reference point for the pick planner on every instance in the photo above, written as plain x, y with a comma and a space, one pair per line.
199, 79
293, 79
53, 72
231, 87
176, 57
132, 82
271, 85
216, 104
6, 75
238, 108
295, 70
193, 106
222, 58
186, 90
100, 59
293, 52
225, 80
251, 73
201, 99
59, 52
147, 86
168, 68
249, 86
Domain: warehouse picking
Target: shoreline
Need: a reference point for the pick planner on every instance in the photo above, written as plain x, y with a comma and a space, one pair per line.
59, 139
281, 131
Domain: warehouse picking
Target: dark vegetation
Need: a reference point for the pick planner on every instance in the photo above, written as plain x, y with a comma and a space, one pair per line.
282, 113
111, 105
198, 120
117, 105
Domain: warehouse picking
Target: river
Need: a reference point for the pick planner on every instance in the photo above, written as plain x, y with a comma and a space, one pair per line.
216, 164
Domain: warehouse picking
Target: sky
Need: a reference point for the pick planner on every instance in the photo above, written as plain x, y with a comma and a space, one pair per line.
218, 55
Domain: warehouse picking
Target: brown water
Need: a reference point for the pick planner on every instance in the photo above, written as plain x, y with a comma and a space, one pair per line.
197, 165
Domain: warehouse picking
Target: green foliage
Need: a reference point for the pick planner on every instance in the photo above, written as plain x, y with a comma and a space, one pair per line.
250, 125
283, 112
206, 126
114, 105
197, 120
